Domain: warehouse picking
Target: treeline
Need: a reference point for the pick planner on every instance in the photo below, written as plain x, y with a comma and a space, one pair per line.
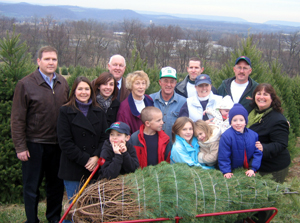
91, 43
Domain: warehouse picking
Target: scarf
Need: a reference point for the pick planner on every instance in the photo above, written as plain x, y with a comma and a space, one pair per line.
256, 115
104, 103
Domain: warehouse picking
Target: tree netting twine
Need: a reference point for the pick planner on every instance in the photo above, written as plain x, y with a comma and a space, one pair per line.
168, 190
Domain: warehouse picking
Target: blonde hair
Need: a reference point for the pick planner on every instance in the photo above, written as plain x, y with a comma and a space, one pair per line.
203, 126
147, 113
132, 77
179, 124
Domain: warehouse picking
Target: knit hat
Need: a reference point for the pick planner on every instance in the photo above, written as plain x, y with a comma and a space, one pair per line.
167, 72
238, 109
120, 127
226, 103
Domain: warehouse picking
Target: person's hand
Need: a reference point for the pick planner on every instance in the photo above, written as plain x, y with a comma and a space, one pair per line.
259, 146
228, 175
123, 147
204, 112
23, 156
91, 163
250, 173
116, 148
210, 121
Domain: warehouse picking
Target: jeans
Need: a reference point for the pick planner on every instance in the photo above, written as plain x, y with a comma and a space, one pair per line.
72, 187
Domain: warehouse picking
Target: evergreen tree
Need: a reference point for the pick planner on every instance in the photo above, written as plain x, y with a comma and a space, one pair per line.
15, 64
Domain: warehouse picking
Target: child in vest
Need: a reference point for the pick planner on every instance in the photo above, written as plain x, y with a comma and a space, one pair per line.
120, 156
237, 145
220, 114
208, 139
150, 141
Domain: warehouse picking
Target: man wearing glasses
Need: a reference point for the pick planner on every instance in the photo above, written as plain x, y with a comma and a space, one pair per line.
241, 86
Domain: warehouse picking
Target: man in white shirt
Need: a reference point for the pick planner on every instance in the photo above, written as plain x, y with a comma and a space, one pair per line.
241, 86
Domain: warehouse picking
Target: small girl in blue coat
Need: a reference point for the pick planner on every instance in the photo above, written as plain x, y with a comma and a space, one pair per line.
237, 145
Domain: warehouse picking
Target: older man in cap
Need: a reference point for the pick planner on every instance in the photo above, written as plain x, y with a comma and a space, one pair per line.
167, 100
241, 86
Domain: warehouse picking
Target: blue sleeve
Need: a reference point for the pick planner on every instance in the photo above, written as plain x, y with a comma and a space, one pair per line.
257, 157
184, 111
224, 155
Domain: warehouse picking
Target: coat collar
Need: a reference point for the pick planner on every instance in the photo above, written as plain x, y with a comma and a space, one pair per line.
148, 102
40, 80
85, 122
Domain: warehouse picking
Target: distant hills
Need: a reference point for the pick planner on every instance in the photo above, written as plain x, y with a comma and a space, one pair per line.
220, 23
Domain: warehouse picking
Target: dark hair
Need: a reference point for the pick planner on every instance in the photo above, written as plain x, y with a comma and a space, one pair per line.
72, 98
195, 59
275, 104
46, 49
103, 79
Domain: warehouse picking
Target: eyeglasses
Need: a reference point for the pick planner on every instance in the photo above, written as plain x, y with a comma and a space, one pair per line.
242, 68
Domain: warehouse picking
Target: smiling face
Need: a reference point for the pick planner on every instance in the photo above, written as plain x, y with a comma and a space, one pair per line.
263, 99
138, 89
107, 89
117, 66
201, 136
48, 63
203, 90
186, 132
116, 137
242, 70
238, 123
83, 92
194, 69
167, 85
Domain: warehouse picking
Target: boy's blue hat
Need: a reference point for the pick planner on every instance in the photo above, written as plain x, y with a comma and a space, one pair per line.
243, 58
120, 127
238, 109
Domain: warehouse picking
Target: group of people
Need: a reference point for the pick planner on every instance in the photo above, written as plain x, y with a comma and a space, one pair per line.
60, 134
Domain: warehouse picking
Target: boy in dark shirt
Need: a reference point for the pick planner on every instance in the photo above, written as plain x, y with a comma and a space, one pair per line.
150, 141
120, 156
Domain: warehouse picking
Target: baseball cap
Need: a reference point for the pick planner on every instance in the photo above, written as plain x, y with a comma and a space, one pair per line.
202, 79
120, 127
168, 72
243, 58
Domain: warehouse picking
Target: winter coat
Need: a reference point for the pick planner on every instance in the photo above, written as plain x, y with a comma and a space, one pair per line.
80, 137
116, 164
273, 134
246, 97
138, 141
209, 149
232, 148
35, 110
218, 119
194, 110
129, 114
112, 112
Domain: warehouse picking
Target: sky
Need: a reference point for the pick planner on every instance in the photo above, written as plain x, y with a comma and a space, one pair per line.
257, 11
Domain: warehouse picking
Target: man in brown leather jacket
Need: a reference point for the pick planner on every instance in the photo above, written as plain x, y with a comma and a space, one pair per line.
36, 103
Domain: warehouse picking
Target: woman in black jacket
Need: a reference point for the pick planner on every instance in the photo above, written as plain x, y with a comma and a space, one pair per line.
105, 87
81, 133
273, 132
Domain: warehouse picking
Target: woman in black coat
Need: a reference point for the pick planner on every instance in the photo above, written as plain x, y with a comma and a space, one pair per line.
81, 133
273, 132
105, 87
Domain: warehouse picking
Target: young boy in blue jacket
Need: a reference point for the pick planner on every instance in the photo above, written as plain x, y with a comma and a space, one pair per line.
237, 145
120, 156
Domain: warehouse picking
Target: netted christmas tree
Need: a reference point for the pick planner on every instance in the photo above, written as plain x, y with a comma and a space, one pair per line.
168, 191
